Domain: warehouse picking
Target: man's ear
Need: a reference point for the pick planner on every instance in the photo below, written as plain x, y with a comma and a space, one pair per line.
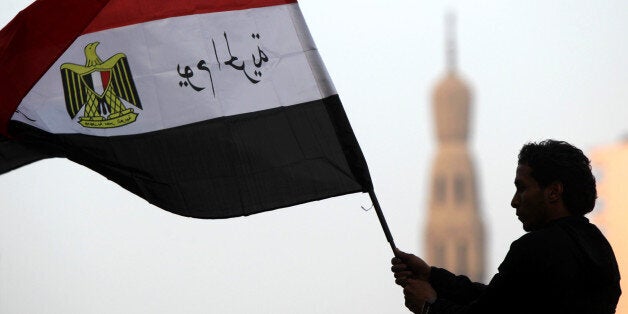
554, 192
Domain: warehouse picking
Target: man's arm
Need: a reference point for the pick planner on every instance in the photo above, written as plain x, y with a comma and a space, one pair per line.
447, 285
515, 289
459, 289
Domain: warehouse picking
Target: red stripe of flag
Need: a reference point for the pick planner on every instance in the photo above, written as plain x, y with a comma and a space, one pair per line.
120, 13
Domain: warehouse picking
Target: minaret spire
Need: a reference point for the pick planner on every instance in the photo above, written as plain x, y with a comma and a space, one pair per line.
451, 45
454, 237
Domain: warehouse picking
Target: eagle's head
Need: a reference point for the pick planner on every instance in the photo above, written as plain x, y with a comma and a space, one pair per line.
90, 55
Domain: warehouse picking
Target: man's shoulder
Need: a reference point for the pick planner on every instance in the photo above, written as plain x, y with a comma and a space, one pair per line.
558, 239
543, 238
568, 239
560, 231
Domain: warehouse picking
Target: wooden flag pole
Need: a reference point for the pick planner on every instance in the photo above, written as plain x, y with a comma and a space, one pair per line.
382, 220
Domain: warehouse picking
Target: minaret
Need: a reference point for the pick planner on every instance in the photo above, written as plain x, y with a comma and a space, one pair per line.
455, 232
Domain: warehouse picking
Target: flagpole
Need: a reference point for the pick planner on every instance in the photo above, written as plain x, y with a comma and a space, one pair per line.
382, 219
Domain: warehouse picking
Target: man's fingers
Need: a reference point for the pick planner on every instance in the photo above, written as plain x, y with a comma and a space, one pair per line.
409, 304
399, 253
413, 307
398, 268
403, 282
403, 274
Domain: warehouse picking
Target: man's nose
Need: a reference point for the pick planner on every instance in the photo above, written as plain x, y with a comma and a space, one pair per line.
514, 203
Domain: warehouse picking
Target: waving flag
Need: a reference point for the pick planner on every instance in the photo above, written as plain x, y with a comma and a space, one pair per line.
208, 109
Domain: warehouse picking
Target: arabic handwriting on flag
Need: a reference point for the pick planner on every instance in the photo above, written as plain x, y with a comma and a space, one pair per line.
202, 65
216, 54
262, 56
187, 75
233, 61
241, 67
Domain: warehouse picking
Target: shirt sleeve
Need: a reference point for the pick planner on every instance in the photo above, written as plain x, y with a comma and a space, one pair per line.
459, 289
506, 293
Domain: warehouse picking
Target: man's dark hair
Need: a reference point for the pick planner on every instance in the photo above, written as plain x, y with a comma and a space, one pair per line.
557, 161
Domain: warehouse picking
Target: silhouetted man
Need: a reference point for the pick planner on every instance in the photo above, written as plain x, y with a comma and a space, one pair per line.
563, 264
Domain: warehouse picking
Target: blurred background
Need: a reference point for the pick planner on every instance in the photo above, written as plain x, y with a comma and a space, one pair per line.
73, 242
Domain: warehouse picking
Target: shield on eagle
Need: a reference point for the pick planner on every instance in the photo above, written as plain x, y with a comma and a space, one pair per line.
100, 81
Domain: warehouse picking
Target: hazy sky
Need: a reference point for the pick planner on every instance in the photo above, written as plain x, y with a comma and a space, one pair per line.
73, 242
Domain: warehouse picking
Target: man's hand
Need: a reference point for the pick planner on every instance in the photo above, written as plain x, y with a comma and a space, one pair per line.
407, 266
416, 293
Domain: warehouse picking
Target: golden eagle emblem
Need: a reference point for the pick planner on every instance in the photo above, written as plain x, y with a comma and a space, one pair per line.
99, 87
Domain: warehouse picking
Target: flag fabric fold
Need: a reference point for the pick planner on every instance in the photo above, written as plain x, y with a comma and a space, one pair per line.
207, 109
14, 154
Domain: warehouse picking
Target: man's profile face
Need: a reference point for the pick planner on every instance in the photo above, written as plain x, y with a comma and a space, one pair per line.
529, 200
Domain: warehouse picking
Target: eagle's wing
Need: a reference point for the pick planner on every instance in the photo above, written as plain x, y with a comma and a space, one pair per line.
74, 88
121, 79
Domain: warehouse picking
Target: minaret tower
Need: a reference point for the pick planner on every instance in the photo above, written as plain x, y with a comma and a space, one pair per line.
455, 232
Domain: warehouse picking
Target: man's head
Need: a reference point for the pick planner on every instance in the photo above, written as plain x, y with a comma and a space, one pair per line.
553, 179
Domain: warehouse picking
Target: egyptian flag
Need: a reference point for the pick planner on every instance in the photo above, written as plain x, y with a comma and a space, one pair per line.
205, 108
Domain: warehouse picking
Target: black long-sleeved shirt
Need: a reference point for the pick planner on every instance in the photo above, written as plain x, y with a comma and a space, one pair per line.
566, 267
